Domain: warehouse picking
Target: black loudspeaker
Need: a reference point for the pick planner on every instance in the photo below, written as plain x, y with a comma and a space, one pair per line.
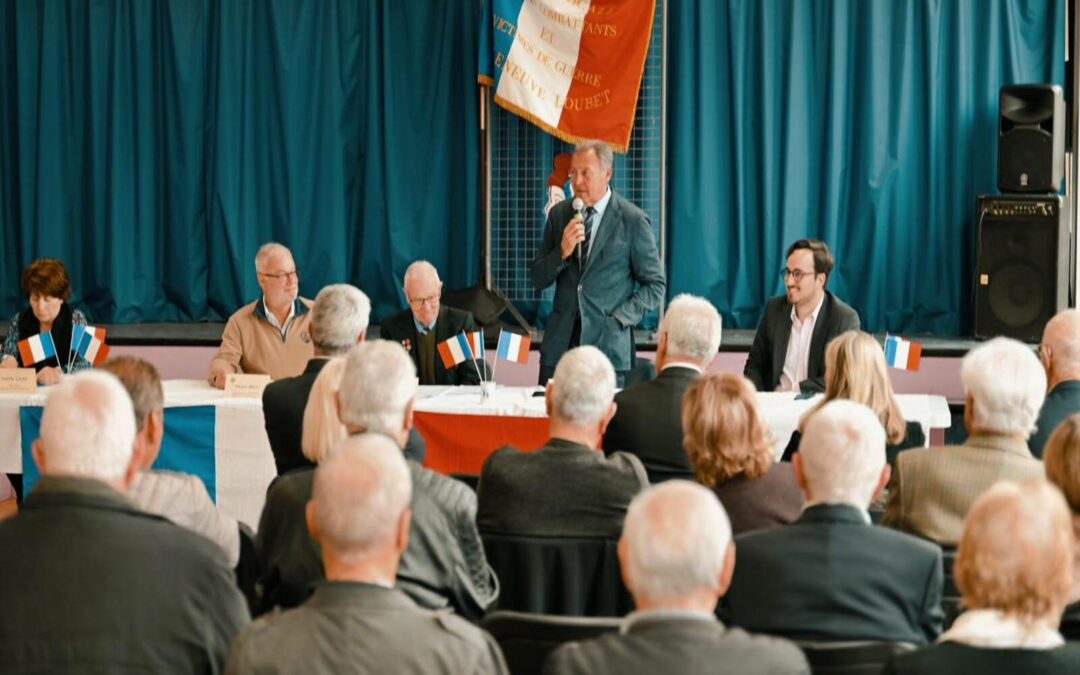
1031, 138
1021, 265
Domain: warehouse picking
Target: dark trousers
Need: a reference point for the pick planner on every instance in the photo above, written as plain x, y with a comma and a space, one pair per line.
547, 372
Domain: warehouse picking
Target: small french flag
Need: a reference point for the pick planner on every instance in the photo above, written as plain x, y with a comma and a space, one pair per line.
36, 348
901, 353
77, 333
476, 344
455, 350
93, 350
513, 347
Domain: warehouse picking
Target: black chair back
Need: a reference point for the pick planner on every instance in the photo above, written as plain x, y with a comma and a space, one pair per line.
526, 640
862, 657
558, 575
950, 594
247, 568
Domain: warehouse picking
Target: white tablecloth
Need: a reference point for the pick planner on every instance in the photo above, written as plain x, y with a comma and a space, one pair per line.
781, 411
245, 465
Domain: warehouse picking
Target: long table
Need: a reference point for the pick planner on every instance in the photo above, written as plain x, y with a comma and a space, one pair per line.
224, 440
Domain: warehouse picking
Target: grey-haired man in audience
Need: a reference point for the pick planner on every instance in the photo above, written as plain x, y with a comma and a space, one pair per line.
677, 559
357, 621
444, 564
180, 497
91, 582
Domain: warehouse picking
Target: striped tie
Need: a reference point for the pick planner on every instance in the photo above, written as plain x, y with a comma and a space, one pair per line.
589, 213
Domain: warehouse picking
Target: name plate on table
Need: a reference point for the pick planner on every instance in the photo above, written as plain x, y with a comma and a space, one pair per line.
18, 381
245, 386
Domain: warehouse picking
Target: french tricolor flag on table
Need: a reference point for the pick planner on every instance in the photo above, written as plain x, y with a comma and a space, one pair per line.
513, 347
36, 348
901, 353
456, 350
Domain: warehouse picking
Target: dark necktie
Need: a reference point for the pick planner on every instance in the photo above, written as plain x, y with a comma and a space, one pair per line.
589, 213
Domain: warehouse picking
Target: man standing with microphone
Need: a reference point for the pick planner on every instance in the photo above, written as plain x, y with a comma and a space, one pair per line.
599, 251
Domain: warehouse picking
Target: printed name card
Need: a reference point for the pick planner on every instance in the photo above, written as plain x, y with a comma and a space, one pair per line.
18, 381
245, 386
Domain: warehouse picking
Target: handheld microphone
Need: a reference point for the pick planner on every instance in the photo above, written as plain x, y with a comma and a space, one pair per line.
578, 205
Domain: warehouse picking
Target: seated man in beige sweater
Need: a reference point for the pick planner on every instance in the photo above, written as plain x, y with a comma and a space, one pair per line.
269, 336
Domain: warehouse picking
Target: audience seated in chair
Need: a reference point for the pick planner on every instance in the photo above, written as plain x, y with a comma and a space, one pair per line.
568, 488
180, 497
1059, 353
444, 565
855, 369
1062, 461
92, 583
648, 419
933, 488
677, 559
831, 575
357, 621
1014, 568
731, 451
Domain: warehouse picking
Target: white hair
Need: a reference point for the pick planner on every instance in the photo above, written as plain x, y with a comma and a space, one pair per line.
88, 427
338, 317
842, 453
268, 249
359, 494
603, 152
379, 383
322, 429
584, 387
693, 328
1006, 385
417, 268
677, 536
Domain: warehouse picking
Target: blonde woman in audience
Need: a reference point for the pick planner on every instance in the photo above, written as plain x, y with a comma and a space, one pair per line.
323, 429
1062, 460
731, 452
1014, 568
855, 370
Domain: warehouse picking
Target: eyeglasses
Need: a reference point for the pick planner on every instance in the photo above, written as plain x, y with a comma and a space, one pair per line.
282, 276
417, 303
797, 275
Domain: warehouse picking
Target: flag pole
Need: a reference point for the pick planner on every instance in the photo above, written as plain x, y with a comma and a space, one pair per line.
495, 367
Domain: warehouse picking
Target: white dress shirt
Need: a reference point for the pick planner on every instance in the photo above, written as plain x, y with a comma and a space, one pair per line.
798, 349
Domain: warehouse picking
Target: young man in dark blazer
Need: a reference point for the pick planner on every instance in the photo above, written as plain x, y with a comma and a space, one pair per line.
788, 353
648, 420
604, 263
832, 575
677, 559
427, 323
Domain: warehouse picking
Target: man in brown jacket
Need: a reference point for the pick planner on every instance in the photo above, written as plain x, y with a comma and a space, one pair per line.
270, 335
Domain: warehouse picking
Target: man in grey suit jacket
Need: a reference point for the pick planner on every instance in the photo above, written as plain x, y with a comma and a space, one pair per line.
934, 487
677, 559
648, 421
604, 264
831, 575
357, 621
567, 488
788, 353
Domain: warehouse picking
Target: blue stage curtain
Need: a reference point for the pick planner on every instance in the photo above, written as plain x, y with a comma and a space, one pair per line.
871, 125
154, 145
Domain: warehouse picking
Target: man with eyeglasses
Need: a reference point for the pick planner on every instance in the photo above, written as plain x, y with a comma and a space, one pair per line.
271, 335
788, 353
426, 323
1059, 353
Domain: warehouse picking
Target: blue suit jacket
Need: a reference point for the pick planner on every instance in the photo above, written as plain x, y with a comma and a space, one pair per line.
622, 280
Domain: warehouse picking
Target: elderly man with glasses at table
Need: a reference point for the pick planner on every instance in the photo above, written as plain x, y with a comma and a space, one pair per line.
271, 335
426, 323
788, 353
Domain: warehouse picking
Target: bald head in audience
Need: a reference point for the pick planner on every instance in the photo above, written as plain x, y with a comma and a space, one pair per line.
676, 550
841, 459
1016, 553
581, 396
359, 510
1059, 353
88, 431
